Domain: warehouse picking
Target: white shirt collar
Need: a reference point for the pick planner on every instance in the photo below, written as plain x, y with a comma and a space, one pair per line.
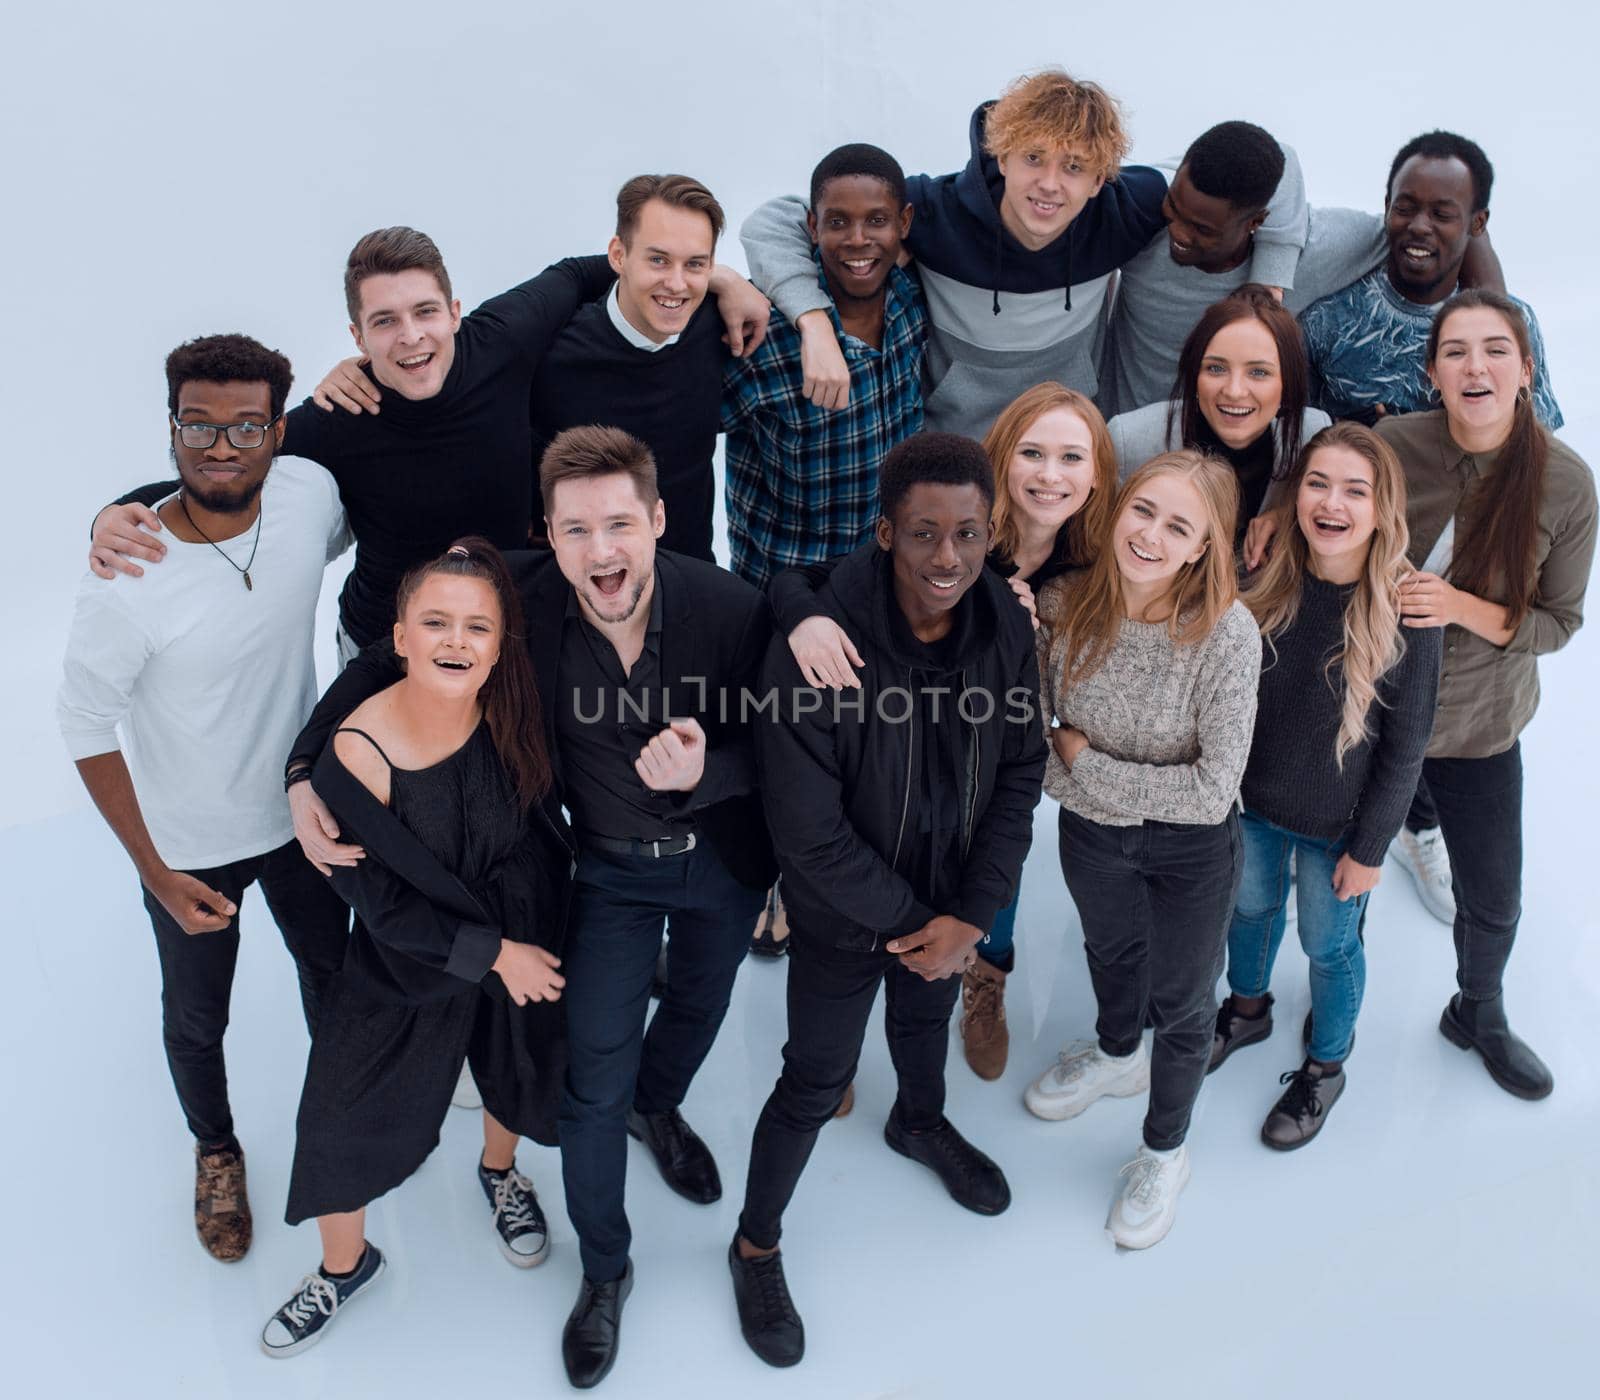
627, 330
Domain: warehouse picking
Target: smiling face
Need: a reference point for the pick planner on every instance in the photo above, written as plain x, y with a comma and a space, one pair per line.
222, 478
857, 228
1336, 508
1429, 220
1044, 192
408, 330
1204, 231
1478, 370
1161, 528
1240, 388
450, 634
1051, 472
938, 537
604, 537
664, 269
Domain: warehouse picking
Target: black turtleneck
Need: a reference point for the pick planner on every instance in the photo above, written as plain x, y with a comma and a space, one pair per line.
1252, 464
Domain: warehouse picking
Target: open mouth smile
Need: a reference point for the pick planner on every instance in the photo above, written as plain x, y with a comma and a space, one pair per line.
609, 585
1141, 555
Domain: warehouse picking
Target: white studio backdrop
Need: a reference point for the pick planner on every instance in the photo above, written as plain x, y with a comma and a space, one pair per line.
186, 168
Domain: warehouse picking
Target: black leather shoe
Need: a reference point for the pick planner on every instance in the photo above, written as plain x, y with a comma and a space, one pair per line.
1302, 1108
589, 1340
971, 1178
1481, 1026
1305, 1035
1234, 1031
766, 1312
686, 1163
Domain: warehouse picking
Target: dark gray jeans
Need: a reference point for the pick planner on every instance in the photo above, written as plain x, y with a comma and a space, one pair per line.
1155, 901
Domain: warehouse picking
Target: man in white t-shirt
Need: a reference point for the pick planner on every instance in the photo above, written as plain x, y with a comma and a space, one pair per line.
181, 694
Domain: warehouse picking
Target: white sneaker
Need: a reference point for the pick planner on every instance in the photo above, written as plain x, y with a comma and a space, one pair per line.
1082, 1073
465, 1094
1423, 854
1148, 1205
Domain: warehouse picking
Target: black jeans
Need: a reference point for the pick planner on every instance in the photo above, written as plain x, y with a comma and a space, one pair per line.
1424, 815
1155, 901
197, 973
830, 996
1480, 817
619, 906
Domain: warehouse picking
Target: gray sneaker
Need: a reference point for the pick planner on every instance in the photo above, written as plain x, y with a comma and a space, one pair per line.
1302, 1109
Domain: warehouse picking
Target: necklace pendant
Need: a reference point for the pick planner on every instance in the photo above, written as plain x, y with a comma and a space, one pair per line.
249, 587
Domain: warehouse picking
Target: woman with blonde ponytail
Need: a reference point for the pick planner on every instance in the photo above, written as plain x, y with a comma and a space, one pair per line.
1344, 710
1149, 665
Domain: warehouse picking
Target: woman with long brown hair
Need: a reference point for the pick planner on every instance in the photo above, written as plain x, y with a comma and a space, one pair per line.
1502, 519
1343, 713
1055, 483
1149, 665
1240, 395
444, 780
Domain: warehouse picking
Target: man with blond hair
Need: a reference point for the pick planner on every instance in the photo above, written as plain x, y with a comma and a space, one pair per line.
1015, 252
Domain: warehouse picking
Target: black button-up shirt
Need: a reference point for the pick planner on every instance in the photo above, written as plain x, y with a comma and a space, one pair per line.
604, 717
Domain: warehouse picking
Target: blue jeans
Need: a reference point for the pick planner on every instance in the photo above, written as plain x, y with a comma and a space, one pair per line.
1330, 929
995, 946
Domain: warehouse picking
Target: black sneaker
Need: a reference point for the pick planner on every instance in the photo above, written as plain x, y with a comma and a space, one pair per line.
304, 1319
1302, 1109
766, 1312
1234, 1031
518, 1221
685, 1162
972, 1179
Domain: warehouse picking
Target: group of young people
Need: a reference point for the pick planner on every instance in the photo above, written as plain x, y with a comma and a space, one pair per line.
1036, 482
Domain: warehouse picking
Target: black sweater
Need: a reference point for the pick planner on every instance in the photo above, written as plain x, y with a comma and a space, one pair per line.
420, 474
1291, 778
900, 801
668, 398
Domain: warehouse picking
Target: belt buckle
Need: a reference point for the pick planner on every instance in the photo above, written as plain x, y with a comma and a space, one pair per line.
658, 853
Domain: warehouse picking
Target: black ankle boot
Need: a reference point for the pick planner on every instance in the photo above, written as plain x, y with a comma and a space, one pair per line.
589, 1340
1481, 1026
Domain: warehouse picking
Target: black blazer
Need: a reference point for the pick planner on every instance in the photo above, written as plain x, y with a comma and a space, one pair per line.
714, 634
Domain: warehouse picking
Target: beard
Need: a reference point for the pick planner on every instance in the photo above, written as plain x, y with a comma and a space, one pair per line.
221, 500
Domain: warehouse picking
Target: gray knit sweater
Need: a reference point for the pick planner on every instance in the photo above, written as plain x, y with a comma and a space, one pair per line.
1168, 725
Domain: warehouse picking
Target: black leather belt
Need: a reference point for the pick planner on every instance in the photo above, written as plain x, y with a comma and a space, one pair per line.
655, 850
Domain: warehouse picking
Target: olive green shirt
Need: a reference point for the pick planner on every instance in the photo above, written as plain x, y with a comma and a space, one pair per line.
1487, 694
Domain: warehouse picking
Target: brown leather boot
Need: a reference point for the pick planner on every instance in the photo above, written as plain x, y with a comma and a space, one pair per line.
221, 1207
984, 1036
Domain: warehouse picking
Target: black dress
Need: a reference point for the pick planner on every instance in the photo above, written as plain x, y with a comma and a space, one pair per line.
415, 997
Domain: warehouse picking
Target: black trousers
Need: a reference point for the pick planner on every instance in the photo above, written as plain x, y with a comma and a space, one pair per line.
197, 973
619, 907
830, 996
1424, 815
1155, 901
1479, 801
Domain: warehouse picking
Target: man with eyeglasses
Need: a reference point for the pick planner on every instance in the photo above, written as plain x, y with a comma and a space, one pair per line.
180, 696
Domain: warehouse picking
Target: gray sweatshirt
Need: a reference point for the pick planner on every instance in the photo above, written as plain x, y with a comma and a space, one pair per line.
978, 358
1158, 302
1168, 726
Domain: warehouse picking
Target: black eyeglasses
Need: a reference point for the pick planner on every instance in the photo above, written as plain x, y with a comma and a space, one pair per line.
241, 435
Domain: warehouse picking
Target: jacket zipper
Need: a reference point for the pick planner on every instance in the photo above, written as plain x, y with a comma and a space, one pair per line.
905, 801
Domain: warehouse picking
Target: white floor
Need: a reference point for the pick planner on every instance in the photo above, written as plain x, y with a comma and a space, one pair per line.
1439, 1234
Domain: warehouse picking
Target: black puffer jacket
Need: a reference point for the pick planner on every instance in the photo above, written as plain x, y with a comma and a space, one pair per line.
914, 796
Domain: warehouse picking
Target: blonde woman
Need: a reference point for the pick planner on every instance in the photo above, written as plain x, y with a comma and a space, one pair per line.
1343, 714
1149, 664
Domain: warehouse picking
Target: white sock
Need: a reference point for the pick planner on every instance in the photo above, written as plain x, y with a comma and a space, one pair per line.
1165, 1156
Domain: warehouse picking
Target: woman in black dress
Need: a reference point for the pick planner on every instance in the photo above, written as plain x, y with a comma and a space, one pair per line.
444, 779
